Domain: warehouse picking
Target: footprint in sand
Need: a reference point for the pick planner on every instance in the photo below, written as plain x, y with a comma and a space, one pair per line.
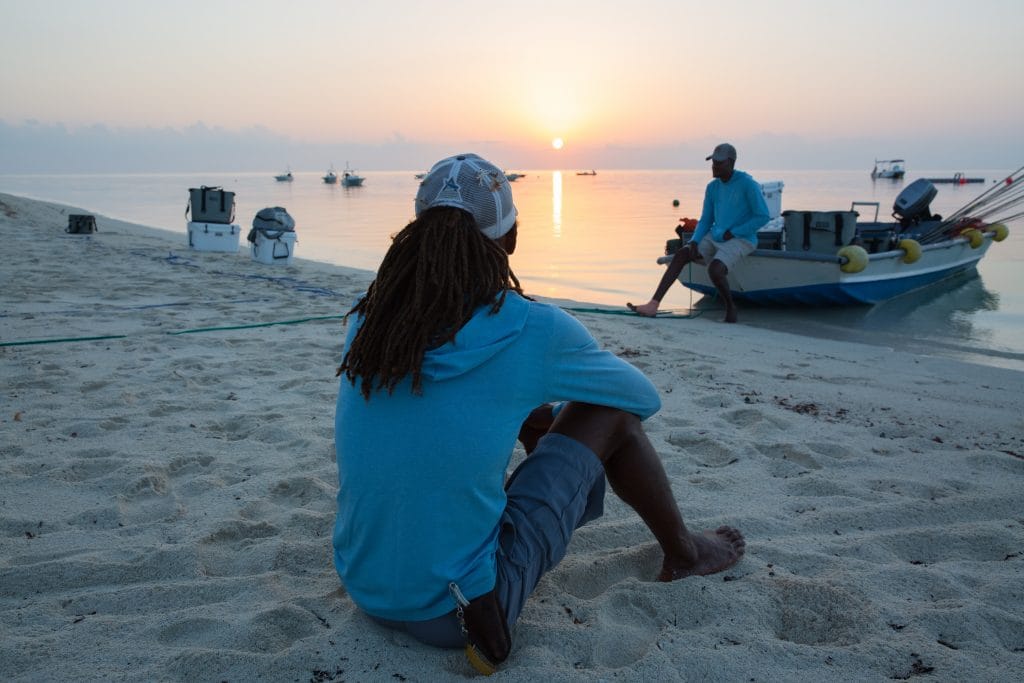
813, 612
239, 531
702, 450
189, 464
302, 490
788, 459
587, 582
149, 485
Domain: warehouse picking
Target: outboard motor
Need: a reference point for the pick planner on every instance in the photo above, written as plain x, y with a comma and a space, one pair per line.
913, 205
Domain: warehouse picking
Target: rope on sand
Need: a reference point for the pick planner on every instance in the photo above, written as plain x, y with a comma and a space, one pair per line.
65, 339
195, 330
615, 311
245, 327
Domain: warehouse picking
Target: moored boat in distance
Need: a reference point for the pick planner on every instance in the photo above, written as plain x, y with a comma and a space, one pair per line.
590, 172
512, 177
331, 178
349, 178
828, 258
888, 168
285, 177
957, 179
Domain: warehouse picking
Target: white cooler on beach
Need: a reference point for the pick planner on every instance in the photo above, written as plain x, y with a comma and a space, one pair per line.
273, 246
214, 236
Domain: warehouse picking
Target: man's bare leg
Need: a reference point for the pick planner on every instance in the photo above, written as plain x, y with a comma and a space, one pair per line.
718, 273
635, 473
675, 266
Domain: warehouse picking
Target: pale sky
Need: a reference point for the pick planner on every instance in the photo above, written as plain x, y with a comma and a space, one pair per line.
632, 83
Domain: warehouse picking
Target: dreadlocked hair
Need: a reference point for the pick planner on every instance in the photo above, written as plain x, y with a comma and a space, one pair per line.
438, 270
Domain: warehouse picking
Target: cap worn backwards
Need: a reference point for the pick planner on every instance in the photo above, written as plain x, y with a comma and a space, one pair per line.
722, 152
473, 184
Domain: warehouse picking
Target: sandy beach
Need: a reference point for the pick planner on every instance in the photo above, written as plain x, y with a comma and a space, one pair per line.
167, 485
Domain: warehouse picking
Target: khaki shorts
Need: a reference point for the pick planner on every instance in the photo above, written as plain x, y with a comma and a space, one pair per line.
729, 253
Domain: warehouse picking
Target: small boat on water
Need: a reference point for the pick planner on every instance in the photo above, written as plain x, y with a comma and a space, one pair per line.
888, 168
957, 179
349, 178
331, 178
284, 177
512, 177
590, 172
828, 258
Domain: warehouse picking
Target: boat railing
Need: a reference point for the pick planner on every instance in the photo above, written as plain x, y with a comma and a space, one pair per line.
853, 206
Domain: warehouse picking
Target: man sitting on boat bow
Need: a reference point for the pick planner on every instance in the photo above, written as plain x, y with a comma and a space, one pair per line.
734, 210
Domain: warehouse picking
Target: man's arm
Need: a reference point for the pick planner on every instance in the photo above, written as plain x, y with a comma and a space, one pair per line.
707, 217
582, 371
754, 199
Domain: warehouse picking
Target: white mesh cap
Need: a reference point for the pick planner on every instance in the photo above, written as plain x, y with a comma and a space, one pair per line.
473, 184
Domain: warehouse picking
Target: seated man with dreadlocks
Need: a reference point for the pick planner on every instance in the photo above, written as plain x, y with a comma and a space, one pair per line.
446, 364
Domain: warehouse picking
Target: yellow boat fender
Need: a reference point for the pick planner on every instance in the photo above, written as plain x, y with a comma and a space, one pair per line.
1000, 230
911, 250
852, 259
973, 236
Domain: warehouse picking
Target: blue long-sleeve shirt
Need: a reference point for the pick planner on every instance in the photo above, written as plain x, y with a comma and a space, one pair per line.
421, 477
737, 206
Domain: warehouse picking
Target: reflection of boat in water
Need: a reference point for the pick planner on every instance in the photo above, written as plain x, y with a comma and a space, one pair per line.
590, 172
939, 319
823, 258
331, 178
888, 168
284, 177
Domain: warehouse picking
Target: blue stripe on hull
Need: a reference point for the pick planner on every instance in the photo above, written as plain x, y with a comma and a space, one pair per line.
839, 293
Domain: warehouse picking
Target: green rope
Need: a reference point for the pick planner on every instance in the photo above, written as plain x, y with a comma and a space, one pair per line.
659, 314
616, 311
245, 327
65, 339
197, 330
190, 331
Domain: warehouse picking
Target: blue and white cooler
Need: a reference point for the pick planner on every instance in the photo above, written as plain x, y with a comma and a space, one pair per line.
272, 238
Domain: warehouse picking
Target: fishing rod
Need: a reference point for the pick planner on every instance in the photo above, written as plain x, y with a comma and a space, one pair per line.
1011, 183
1000, 198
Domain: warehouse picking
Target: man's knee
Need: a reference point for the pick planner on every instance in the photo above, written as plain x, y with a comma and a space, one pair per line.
600, 428
717, 269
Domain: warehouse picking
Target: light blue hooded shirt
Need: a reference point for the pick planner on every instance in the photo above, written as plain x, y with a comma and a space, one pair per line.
421, 477
737, 205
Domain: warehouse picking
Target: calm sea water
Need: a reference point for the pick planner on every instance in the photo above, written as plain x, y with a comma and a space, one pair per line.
595, 239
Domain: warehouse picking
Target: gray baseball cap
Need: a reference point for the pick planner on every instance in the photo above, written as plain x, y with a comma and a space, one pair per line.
722, 152
472, 184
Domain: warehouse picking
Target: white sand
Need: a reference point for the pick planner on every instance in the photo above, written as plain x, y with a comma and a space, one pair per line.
166, 501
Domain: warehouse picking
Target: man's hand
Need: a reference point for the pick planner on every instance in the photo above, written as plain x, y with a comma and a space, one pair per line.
727, 236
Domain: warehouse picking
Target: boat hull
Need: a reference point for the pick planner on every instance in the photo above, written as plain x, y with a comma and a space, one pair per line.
788, 278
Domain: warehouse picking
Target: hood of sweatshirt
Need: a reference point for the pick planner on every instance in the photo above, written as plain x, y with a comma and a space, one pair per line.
485, 335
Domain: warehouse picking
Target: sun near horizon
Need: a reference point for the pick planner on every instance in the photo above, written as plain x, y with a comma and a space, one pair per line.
557, 143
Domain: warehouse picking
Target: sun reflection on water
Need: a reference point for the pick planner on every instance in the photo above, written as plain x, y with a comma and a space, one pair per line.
556, 203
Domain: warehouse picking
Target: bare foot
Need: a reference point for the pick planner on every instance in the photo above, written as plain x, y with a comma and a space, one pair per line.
716, 551
730, 315
648, 310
